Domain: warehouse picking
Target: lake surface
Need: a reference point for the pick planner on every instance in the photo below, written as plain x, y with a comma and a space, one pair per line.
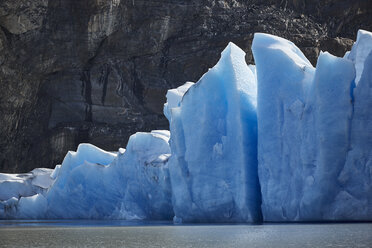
164, 234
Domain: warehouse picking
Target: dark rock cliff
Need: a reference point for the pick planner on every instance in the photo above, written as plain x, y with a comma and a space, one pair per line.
97, 71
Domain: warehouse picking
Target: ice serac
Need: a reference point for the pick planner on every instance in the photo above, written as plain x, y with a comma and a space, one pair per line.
25, 184
134, 184
144, 166
355, 201
22, 195
32, 207
213, 166
332, 112
85, 185
95, 184
360, 51
86, 153
312, 157
174, 97
284, 77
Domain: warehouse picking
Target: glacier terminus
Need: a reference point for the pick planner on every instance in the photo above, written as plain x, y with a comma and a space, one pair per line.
278, 141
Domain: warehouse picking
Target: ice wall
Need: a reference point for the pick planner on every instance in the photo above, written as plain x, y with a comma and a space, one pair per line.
134, 184
30, 187
174, 97
144, 166
95, 184
309, 133
25, 184
213, 166
355, 200
280, 139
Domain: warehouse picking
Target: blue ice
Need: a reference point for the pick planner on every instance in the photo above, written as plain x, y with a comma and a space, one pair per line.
278, 141
213, 166
314, 132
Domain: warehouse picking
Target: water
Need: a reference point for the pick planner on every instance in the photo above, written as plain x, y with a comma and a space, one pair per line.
163, 234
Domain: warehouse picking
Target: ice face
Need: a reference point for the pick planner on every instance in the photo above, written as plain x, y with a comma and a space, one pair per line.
312, 158
284, 75
213, 166
146, 177
26, 184
79, 178
95, 184
131, 185
174, 97
32, 207
302, 147
332, 107
361, 49
85, 153
355, 201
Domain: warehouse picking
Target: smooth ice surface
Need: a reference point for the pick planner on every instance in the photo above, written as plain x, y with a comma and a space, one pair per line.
174, 97
55, 172
355, 200
32, 207
131, 185
314, 126
213, 166
148, 190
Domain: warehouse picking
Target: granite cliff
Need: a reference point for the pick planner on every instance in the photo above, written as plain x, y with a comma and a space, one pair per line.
97, 71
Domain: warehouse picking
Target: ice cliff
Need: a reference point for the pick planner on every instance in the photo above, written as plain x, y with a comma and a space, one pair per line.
314, 132
95, 184
279, 141
213, 166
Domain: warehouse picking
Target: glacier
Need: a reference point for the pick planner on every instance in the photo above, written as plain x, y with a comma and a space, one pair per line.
174, 97
213, 166
25, 184
94, 184
277, 141
25, 188
314, 134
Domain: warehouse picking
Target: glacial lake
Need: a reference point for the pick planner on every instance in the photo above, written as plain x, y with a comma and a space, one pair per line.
165, 234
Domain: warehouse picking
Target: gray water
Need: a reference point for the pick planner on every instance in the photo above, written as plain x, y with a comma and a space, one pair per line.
129, 234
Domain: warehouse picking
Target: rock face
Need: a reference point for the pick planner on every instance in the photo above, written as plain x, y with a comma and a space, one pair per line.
97, 71
341, 17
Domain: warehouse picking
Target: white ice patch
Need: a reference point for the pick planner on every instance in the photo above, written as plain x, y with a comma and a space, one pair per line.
360, 51
174, 97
